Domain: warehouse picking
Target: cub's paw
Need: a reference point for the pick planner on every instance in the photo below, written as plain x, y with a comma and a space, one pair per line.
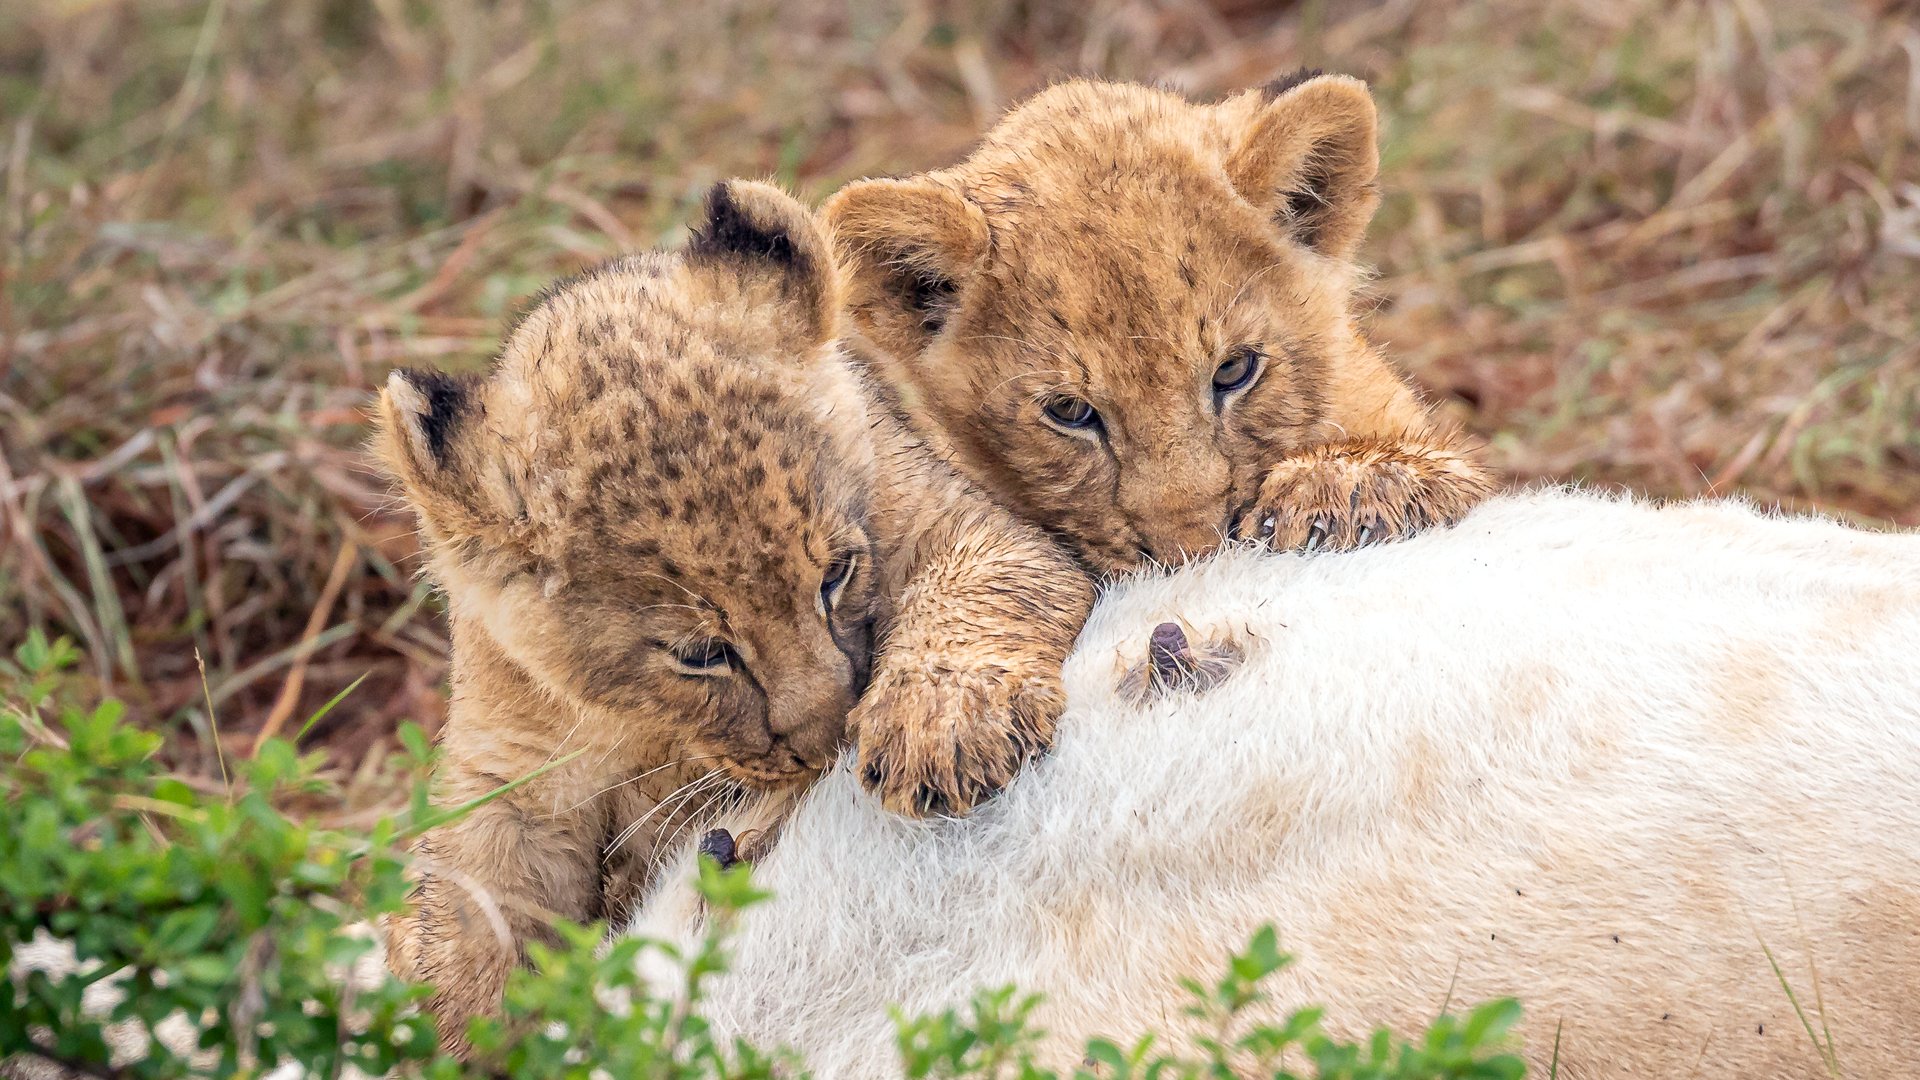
940, 742
1348, 495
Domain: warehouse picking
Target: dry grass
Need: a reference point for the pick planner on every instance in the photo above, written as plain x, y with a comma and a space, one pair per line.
1671, 246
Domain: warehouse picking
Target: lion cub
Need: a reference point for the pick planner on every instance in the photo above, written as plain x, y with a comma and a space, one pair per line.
1129, 317
679, 539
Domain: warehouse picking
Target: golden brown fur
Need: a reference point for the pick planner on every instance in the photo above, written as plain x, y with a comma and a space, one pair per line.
640, 519
1117, 247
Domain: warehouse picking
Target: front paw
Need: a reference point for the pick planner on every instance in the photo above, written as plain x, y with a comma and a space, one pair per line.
935, 741
1349, 495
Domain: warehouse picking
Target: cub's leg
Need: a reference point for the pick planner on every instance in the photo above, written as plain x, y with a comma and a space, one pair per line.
490, 883
967, 684
1348, 494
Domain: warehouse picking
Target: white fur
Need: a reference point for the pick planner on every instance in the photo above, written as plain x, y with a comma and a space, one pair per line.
1584, 751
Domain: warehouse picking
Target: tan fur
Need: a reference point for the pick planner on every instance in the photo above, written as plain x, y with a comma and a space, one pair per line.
672, 452
1115, 244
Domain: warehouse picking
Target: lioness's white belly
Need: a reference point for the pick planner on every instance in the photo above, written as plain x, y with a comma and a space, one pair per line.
1586, 752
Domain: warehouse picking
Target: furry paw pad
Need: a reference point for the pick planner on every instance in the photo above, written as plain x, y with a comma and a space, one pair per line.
1347, 496
934, 742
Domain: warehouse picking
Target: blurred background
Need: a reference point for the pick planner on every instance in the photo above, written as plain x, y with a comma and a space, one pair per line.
1667, 245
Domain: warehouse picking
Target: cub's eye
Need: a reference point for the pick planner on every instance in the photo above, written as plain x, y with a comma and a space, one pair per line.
1071, 412
1237, 371
839, 572
709, 657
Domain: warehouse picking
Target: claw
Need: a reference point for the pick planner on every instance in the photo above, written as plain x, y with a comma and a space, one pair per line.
1267, 524
1317, 534
932, 803
1366, 534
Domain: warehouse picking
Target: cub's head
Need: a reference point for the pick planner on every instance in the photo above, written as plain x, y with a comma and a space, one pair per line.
654, 504
1124, 307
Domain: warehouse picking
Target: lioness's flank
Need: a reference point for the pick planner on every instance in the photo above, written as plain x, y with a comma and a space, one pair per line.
1653, 771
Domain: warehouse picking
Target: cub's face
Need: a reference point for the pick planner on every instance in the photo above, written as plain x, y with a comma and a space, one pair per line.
1124, 308
648, 508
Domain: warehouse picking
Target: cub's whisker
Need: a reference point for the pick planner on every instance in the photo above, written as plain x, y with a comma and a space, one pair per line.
634, 779
689, 804
727, 801
680, 793
564, 739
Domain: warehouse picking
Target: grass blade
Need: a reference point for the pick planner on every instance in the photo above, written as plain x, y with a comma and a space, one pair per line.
321, 712
453, 813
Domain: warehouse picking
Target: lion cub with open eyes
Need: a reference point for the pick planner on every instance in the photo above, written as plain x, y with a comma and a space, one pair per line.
1129, 317
678, 535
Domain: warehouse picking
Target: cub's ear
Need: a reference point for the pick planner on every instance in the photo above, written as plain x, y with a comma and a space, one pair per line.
1309, 154
909, 247
761, 233
431, 437
422, 414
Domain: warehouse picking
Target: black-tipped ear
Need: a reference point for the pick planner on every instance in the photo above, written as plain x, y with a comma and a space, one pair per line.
432, 438
727, 229
448, 400
426, 407
1309, 154
756, 229
1284, 83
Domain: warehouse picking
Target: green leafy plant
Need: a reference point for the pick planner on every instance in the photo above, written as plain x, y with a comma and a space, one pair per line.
993, 1038
586, 1012
200, 905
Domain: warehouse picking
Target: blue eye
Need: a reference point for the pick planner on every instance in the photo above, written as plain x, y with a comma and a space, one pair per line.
1071, 412
1238, 370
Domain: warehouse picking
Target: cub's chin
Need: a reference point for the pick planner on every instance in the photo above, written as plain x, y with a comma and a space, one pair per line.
767, 777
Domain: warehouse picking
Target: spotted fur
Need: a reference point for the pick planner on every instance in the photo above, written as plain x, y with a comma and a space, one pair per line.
639, 519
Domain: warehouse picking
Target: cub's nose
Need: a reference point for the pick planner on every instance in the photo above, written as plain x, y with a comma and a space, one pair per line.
1172, 544
815, 746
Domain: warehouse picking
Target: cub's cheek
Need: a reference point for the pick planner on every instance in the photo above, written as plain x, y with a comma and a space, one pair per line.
855, 641
630, 685
1040, 456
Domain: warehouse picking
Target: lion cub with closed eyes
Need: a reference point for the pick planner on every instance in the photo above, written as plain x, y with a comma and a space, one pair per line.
1130, 318
679, 535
